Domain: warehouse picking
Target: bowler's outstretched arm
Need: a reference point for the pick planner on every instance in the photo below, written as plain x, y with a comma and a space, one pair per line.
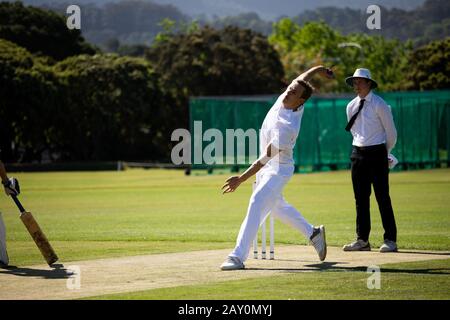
307, 75
232, 183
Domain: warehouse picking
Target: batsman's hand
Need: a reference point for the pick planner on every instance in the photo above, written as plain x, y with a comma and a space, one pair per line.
231, 184
12, 187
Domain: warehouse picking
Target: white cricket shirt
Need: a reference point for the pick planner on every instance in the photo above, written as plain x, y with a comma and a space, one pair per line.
374, 124
281, 127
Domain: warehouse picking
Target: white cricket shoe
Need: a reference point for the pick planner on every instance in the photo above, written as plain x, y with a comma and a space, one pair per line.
358, 245
232, 263
319, 242
388, 246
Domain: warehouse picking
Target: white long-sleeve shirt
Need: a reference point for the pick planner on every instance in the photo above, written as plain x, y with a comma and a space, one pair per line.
374, 124
280, 128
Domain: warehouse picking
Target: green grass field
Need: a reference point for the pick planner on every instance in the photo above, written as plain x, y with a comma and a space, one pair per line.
89, 215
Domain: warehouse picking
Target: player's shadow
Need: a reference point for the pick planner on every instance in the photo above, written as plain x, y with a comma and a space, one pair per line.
312, 267
446, 253
340, 266
334, 266
58, 271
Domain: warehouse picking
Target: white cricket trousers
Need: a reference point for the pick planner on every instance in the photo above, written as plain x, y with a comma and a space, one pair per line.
267, 197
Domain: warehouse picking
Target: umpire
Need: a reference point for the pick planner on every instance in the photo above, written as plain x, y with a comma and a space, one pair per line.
372, 126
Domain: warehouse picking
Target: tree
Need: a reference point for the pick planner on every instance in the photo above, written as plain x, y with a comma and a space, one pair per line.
429, 67
301, 47
386, 59
218, 62
101, 107
40, 31
113, 109
207, 61
315, 43
29, 93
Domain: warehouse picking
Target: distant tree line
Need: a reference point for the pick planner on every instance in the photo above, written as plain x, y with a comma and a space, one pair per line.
426, 23
130, 22
126, 22
250, 20
41, 32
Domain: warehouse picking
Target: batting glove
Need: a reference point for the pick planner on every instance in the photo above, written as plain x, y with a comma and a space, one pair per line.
12, 187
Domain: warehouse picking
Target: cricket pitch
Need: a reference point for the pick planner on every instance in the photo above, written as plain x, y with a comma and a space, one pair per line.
129, 274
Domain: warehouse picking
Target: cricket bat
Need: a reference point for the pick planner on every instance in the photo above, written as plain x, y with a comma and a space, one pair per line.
36, 233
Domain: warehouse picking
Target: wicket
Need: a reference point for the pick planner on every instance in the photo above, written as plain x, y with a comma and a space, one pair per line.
263, 240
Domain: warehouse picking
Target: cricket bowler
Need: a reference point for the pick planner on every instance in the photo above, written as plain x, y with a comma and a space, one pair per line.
273, 170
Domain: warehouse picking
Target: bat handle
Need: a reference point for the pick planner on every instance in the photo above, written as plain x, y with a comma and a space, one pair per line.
18, 204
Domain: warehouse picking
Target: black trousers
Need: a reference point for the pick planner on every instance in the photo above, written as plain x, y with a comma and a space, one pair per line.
370, 167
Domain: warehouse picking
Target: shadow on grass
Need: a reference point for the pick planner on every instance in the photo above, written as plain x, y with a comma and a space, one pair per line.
446, 253
332, 266
58, 272
336, 266
307, 268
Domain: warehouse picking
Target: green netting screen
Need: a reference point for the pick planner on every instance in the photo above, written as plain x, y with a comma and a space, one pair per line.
422, 120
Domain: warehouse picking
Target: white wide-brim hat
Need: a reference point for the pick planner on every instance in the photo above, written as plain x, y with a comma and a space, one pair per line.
361, 73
